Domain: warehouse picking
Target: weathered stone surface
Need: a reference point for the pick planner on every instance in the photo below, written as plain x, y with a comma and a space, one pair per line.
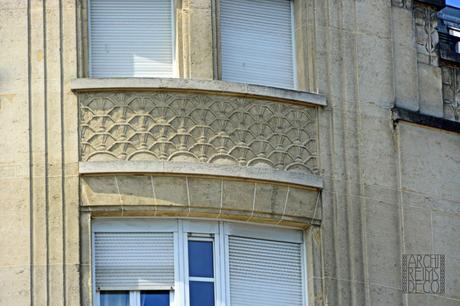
451, 92
136, 190
161, 195
430, 162
431, 300
101, 190
205, 192
270, 198
388, 190
445, 241
383, 296
430, 90
383, 230
171, 191
417, 230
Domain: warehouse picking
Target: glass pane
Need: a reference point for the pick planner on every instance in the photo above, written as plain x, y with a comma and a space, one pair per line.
455, 3
154, 298
114, 298
201, 294
200, 261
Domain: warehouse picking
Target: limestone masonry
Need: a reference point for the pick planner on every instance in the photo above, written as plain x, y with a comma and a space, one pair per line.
363, 155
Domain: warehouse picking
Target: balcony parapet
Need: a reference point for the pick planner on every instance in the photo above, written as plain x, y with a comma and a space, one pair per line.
195, 127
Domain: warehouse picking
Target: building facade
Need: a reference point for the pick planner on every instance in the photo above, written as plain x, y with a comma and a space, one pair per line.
266, 152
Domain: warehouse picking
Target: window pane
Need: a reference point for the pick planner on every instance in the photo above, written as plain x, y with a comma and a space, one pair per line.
154, 298
455, 3
200, 261
114, 298
201, 294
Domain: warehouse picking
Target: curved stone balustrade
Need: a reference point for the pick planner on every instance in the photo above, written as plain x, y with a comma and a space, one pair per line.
211, 149
199, 126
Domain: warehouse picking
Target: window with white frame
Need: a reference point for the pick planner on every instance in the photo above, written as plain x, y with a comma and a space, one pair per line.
154, 262
257, 42
132, 38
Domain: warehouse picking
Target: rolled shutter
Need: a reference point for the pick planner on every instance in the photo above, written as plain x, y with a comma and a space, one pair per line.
134, 261
131, 38
264, 272
257, 42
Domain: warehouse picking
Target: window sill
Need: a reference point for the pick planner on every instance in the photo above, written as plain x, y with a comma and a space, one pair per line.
211, 86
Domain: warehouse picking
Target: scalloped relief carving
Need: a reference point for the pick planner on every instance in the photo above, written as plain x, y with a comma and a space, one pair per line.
198, 128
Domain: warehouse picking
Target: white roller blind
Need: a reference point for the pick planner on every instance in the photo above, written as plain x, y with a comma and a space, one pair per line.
131, 38
130, 261
264, 272
257, 42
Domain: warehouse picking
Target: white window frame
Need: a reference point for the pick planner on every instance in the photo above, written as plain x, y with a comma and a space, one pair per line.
175, 68
216, 231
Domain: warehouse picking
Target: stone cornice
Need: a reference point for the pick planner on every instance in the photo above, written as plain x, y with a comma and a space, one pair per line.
401, 114
202, 86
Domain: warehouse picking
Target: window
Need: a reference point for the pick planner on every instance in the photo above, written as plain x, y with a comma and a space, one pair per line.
256, 41
152, 262
131, 38
449, 33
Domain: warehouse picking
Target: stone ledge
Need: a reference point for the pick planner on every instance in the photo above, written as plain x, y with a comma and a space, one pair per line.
193, 213
401, 114
211, 86
164, 167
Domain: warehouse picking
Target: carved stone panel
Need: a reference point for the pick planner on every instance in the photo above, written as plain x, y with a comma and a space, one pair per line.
198, 128
451, 92
426, 35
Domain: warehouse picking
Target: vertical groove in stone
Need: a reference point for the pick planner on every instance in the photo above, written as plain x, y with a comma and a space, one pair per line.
51, 280
333, 226
345, 190
361, 230
340, 154
395, 45
400, 199
31, 199
46, 164
63, 194
37, 151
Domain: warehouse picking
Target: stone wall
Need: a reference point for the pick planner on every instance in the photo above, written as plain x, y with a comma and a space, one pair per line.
39, 229
389, 188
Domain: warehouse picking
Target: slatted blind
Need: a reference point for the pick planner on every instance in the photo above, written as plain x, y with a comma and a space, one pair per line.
133, 261
264, 272
131, 38
257, 42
